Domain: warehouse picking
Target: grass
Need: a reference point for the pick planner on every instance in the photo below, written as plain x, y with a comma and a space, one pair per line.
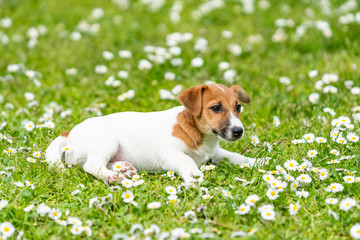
258, 68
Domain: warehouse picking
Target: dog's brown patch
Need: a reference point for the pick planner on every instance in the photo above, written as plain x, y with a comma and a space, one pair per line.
186, 130
66, 134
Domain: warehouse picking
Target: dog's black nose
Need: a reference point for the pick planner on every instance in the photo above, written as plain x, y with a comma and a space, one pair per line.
237, 132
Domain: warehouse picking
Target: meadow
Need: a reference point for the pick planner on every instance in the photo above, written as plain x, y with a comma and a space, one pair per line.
62, 62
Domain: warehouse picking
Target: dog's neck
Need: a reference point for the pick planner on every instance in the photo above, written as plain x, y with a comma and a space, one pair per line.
187, 130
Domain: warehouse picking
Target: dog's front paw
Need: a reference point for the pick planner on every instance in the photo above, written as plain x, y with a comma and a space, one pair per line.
116, 178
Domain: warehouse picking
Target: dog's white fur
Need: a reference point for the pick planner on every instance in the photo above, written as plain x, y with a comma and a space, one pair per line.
142, 139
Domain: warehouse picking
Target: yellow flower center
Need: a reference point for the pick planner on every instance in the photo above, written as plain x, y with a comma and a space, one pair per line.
291, 165
268, 214
267, 178
295, 207
127, 196
349, 179
353, 138
6, 229
308, 138
322, 174
10, 151
302, 178
172, 201
252, 200
272, 193
55, 214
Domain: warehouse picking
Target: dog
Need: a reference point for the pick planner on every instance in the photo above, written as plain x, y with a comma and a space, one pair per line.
179, 139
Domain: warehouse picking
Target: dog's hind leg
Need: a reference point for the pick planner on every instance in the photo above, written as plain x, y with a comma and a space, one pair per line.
125, 168
96, 166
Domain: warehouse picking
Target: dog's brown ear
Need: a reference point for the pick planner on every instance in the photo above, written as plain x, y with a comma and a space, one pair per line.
240, 92
192, 98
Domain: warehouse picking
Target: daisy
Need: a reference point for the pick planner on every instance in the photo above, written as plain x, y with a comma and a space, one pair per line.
125, 54
29, 126
61, 222
304, 178
43, 210
29, 208
294, 185
265, 207
255, 140
289, 177
312, 153
309, 137
352, 137
87, 230
268, 214
135, 178
347, 203
294, 208
3, 204
207, 196
344, 120
323, 173
154, 205
320, 140
275, 183
226, 193
355, 231
170, 174
302, 193
74, 221
127, 196
54, 213
197, 62
77, 191
349, 179
291, 165
243, 209
10, 151
341, 140
36, 154
7, 229
335, 152
29, 184
173, 199
138, 182
268, 177
171, 190
30, 159
334, 187
127, 183
76, 230
101, 69
332, 201
252, 199
280, 169
272, 194
314, 97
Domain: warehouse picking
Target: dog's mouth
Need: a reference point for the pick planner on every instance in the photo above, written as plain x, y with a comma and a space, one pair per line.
223, 135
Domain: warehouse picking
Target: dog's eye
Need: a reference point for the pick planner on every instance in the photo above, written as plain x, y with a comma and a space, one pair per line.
238, 107
216, 108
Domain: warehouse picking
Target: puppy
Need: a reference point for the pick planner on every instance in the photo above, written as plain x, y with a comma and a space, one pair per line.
178, 139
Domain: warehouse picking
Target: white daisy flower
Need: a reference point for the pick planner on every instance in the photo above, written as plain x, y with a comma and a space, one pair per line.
154, 205
243, 209
7, 229
309, 137
272, 194
294, 208
252, 199
312, 153
127, 196
291, 165
304, 178
268, 214
349, 179
332, 201
171, 190
355, 231
347, 203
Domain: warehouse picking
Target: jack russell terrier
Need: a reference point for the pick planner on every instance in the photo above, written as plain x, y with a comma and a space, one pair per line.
178, 139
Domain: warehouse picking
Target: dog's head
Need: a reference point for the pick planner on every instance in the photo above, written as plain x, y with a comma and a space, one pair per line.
216, 108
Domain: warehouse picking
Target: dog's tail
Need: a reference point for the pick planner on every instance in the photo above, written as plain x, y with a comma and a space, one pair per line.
55, 152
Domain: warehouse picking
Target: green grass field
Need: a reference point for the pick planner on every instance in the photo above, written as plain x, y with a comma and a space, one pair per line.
298, 61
